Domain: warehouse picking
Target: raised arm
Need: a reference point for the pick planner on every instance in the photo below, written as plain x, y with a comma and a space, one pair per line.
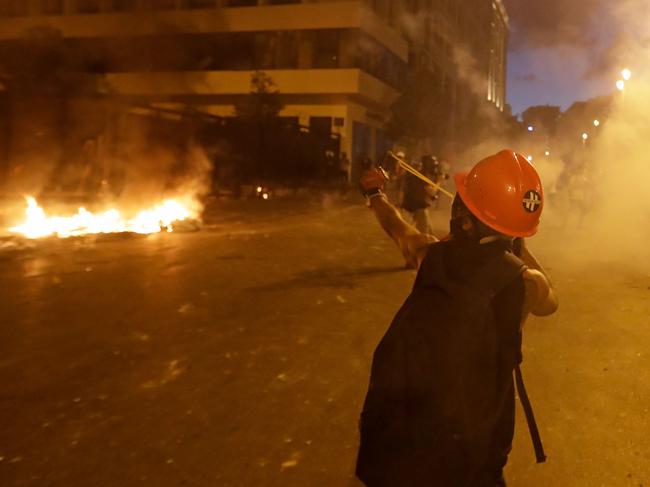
410, 241
541, 299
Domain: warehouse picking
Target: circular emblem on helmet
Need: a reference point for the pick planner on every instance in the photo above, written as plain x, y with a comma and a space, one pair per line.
532, 201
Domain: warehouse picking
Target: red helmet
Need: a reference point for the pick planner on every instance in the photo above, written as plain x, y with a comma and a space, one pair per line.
505, 192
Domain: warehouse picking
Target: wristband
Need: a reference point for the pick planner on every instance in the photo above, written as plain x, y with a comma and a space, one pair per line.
374, 193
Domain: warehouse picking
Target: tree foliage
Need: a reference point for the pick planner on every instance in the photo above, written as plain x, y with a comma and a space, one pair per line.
264, 103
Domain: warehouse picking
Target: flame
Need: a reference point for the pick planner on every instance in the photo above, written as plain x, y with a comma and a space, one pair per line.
159, 218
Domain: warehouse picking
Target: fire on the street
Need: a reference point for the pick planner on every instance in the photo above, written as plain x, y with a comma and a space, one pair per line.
159, 218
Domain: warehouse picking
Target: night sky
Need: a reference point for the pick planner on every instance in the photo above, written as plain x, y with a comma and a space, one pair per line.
560, 52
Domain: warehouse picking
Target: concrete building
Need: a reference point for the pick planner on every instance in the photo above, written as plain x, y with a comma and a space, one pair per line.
338, 64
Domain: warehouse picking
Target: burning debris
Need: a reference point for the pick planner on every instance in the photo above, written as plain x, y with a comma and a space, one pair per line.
164, 217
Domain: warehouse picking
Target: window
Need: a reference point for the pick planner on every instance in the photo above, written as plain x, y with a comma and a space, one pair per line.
286, 55
265, 47
276, 50
382, 144
242, 3
237, 51
200, 3
161, 5
375, 59
10, 8
326, 49
87, 6
320, 125
121, 5
52, 7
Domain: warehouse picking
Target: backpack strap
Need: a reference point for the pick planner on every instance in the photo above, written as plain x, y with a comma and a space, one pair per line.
493, 278
540, 456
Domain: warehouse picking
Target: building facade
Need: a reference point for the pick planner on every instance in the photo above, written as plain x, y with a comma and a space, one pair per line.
339, 65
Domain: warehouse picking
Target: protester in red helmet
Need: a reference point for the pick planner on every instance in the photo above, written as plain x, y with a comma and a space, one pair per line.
440, 404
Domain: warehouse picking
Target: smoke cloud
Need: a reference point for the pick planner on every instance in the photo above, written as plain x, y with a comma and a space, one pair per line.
67, 133
600, 212
554, 22
619, 164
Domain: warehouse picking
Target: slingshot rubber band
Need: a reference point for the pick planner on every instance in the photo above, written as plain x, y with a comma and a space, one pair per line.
419, 175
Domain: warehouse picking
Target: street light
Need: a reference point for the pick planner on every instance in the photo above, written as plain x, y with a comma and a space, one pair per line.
596, 123
547, 153
531, 128
585, 136
620, 85
530, 158
627, 74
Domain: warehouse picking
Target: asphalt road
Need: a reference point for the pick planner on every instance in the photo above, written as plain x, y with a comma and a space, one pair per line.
239, 355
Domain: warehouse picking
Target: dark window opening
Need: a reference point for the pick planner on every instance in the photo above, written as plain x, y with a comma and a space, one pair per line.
276, 50
265, 46
200, 3
52, 7
237, 52
161, 5
11, 8
87, 6
121, 5
242, 3
243, 51
326, 49
320, 125
287, 50
377, 60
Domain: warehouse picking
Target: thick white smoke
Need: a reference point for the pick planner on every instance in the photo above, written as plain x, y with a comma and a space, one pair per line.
602, 213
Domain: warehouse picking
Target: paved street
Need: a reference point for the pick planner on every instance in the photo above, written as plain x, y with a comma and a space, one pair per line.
239, 355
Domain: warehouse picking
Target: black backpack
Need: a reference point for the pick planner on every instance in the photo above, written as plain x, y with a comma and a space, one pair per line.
435, 393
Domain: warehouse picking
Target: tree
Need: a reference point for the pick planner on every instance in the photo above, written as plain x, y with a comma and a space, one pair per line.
264, 103
258, 115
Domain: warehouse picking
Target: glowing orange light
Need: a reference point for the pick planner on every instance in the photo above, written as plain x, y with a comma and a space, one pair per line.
159, 218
